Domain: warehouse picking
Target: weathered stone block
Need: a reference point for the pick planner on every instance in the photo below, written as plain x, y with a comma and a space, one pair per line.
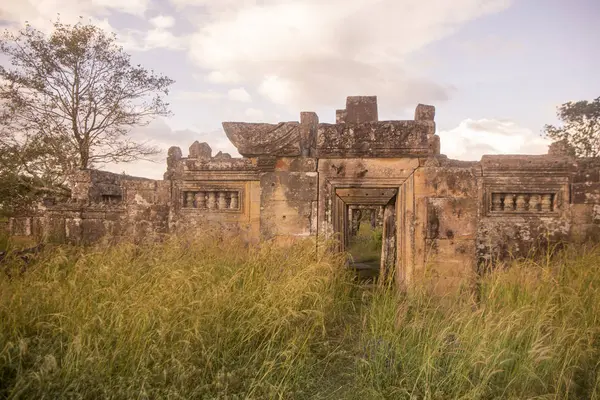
585, 193
294, 164
92, 230
73, 231
525, 164
424, 113
56, 230
222, 156
451, 218
586, 176
200, 151
360, 109
174, 155
445, 182
288, 186
374, 139
20, 226
285, 218
451, 258
309, 121
256, 139
583, 214
585, 232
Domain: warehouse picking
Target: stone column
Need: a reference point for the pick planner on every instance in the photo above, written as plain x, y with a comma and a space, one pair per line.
222, 204
534, 202
547, 202
496, 202
234, 202
309, 123
212, 201
521, 203
509, 202
200, 200
189, 199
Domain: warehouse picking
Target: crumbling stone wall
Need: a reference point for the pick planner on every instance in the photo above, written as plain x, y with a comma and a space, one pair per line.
524, 205
104, 205
446, 218
441, 218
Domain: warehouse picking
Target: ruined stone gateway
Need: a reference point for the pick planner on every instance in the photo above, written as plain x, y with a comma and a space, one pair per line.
440, 216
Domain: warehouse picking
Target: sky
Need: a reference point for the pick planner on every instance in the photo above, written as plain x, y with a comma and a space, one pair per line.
494, 69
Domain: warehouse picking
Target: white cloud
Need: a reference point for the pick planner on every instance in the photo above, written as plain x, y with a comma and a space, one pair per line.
473, 138
239, 94
159, 38
136, 7
254, 115
195, 96
278, 90
223, 77
163, 21
305, 54
41, 14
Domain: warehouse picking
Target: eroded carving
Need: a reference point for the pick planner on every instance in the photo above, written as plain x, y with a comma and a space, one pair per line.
255, 139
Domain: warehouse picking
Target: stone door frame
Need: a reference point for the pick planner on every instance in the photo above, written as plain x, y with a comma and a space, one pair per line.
400, 236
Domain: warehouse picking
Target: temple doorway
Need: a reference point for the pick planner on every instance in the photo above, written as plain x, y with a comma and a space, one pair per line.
364, 240
366, 224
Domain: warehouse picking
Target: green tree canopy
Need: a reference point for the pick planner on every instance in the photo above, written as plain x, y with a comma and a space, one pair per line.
580, 129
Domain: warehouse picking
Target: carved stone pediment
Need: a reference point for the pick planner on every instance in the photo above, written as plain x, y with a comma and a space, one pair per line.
257, 139
375, 139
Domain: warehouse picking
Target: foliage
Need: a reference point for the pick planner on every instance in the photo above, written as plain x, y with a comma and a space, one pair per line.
68, 102
205, 318
365, 247
580, 129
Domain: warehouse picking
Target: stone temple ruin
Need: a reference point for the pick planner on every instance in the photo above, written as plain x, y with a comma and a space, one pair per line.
304, 179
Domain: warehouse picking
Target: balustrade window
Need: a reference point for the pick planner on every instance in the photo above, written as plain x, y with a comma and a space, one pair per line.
523, 202
213, 200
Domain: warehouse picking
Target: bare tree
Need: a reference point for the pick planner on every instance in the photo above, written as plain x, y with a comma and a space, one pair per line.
69, 100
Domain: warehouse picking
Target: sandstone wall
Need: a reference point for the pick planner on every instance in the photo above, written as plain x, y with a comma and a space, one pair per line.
585, 200
289, 199
446, 218
524, 205
442, 219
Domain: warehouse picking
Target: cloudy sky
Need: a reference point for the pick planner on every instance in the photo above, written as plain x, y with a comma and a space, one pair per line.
494, 69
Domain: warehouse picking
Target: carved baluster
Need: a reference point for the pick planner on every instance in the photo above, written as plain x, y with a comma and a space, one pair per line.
521, 203
189, 199
234, 203
212, 201
201, 200
496, 202
509, 202
534, 203
547, 202
222, 204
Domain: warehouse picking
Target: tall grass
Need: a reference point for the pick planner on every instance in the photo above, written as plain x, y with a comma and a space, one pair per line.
366, 245
203, 318
533, 331
184, 319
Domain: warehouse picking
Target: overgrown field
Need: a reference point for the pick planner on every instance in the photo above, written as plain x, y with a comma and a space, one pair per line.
206, 319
